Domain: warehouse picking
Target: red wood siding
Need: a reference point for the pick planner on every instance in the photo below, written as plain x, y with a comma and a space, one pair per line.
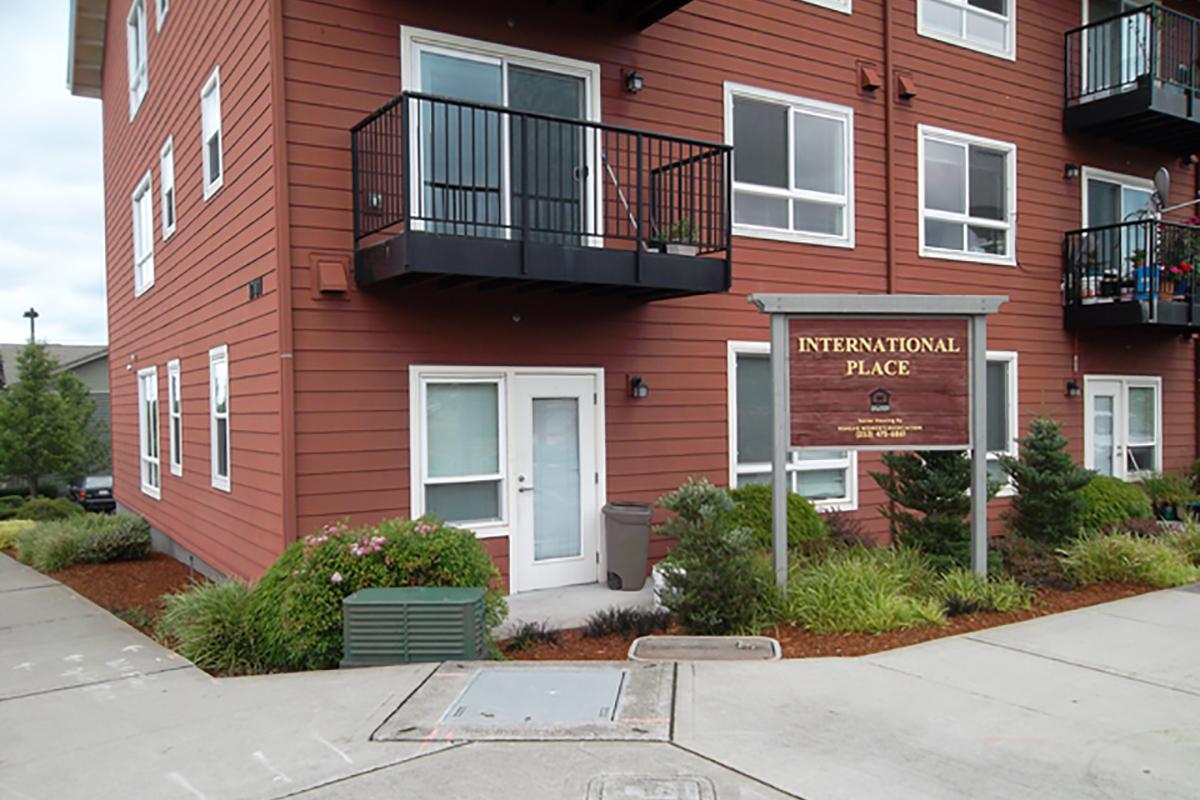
199, 299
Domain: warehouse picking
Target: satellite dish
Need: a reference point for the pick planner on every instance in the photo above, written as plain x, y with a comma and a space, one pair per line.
1162, 188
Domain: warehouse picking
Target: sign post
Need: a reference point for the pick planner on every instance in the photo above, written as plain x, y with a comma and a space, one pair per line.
878, 372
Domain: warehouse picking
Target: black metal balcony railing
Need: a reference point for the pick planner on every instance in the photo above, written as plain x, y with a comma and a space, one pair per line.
1116, 54
456, 168
1148, 263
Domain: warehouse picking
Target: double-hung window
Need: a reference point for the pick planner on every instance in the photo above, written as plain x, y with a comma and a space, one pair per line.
175, 415
148, 431
212, 160
161, 7
793, 166
462, 449
135, 44
1002, 419
143, 236
968, 197
985, 25
166, 163
827, 477
218, 397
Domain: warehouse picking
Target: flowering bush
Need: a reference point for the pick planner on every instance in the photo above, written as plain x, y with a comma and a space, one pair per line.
298, 602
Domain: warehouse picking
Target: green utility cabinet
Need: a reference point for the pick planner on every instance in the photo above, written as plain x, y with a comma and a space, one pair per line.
404, 625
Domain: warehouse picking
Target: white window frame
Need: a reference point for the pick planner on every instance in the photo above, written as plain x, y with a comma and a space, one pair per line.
927, 132
218, 355
1010, 50
175, 416
208, 128
166, 169
1127, 382
835, 5
161, 7
1008, 357
149, 462
804, 105
142, 204
135, 42
1121, 179
419, 442
849, 502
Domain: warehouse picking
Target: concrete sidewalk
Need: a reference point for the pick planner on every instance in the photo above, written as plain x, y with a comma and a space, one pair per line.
1101, 702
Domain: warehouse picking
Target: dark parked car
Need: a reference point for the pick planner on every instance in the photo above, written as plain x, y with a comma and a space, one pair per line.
94, 493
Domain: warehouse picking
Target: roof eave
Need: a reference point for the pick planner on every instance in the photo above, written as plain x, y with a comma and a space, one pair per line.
85, 47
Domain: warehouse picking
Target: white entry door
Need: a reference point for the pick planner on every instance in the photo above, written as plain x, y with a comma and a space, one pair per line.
1122, 426
554, 469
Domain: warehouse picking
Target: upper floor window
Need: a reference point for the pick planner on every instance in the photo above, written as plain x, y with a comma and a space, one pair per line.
135, 41
985, 25
968, 197
161, 7
143, 236
175, 415
210, 134
793, 166
166, 164
151, 478
218, 395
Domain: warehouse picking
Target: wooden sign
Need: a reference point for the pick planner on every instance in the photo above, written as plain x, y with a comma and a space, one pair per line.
884, 384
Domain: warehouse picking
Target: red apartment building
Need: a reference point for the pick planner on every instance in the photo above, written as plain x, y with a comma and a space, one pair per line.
371, 258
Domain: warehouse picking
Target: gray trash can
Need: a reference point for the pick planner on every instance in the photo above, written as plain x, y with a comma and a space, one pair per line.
627, 541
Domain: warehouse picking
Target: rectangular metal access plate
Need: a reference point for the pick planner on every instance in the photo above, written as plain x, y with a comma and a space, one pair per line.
544, 697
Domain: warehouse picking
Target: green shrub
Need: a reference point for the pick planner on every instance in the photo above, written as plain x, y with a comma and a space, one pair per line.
1186, 539
213, 626
1111, 501
1125, 558
752, 513
9, 529
298, 602
528, 635
89, 539
1030, 563
963, 592
626, 622
935, 485
42, 509
696, 499
861, 590
10, 506
1048, 484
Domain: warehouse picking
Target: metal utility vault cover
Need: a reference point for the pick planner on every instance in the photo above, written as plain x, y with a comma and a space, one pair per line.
547, 696
635, 787
705, 648
537, 701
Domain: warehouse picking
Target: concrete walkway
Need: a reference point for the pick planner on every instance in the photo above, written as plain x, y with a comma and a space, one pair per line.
1096, 703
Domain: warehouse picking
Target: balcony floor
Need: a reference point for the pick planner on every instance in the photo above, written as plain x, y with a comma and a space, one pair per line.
1168, 315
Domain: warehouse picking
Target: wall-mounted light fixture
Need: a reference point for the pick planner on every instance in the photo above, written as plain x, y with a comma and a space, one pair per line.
1070, 171
1073, 389
638, 388
634, 82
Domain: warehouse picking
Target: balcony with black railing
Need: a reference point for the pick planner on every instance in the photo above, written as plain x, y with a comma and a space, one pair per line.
1135, 77
1139, 273
464, 192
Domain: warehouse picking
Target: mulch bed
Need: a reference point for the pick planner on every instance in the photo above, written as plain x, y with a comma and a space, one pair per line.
798, 642
132, 590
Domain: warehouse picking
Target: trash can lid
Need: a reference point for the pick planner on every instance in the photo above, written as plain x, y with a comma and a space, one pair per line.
628, 508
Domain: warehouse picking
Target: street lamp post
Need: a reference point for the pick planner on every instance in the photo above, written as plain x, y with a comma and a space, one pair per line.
32, 316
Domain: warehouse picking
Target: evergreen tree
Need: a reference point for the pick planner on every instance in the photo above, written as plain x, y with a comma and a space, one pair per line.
935, 485
1048, 502
46, 422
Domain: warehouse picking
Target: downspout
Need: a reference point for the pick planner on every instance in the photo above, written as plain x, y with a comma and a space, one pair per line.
889, 138
283, 277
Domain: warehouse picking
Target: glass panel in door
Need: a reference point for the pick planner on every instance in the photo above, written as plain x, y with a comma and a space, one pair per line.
1111, 203
1104, 440
461, 188
557, 531
1116, 53
549, 171
1141, 448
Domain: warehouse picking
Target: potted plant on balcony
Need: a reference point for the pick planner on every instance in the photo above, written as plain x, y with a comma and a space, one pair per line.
1175, 281
1145, 282
678, 240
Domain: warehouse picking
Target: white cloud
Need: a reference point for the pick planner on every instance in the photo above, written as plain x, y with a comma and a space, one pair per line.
51, 184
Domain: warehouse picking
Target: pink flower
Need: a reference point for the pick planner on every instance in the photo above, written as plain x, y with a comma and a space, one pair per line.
335, 577
426, 527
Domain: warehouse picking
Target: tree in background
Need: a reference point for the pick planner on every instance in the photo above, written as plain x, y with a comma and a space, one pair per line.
935, 484
1049, 498
46, 422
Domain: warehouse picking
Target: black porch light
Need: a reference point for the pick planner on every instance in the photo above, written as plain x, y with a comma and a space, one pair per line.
1070, 171
634, 82
638, 388
1073, 389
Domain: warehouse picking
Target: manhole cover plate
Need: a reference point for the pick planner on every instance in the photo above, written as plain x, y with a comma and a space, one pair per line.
521, 696
478, 701
704, 648
632, 787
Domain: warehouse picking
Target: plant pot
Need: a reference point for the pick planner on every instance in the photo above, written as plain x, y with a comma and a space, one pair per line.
682, 249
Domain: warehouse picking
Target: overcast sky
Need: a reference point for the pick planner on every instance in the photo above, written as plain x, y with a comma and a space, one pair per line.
51, 190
